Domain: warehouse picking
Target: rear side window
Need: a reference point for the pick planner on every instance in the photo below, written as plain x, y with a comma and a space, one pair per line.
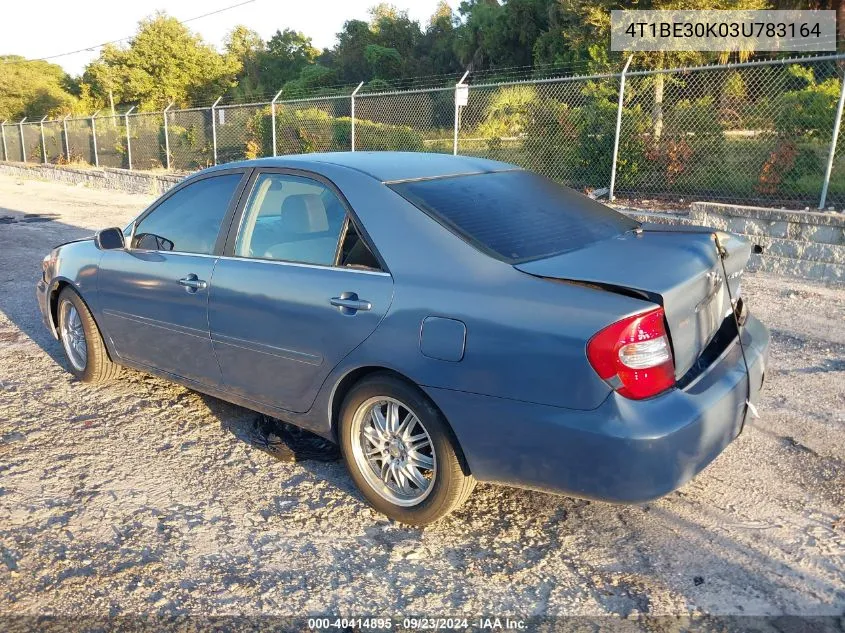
517, 215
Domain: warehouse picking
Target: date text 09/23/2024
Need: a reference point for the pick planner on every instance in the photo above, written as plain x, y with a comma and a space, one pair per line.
418, 623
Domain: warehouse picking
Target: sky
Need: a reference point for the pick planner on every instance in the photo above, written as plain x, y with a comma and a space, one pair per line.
59, 26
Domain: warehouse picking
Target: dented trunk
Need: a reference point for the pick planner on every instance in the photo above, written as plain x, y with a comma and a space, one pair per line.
677, 267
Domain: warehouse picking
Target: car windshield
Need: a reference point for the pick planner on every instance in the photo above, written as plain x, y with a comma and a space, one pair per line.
517, 215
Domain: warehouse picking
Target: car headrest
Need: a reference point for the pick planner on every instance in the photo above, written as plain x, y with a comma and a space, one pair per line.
304, 213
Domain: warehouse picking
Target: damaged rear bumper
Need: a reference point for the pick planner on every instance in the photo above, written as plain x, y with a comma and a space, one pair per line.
624, 451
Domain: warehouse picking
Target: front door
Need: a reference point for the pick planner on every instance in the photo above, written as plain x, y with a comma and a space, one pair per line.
153, 296
287, 303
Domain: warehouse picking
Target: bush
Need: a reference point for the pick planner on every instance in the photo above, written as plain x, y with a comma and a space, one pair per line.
808, 111
800, 115
189, 146
370, 135
576, 144
507, 114
699, 117
692, 134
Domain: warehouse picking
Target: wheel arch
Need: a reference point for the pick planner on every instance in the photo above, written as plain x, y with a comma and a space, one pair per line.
53, 304
53, 300
355, 376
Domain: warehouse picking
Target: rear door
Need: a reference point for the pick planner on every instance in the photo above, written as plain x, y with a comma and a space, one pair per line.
154, 295
297, 289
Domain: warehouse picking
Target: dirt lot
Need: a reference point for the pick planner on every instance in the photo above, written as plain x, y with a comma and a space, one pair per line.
138, 497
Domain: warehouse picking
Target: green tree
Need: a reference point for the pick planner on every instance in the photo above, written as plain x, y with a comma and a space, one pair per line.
163, 62
592, 34
311, 79
32, 89
288, 53
383, 62
437, 48
350, 53
246, 49
477, 37
393, 29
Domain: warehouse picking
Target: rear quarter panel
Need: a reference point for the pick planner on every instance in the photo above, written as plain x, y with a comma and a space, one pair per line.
525, 337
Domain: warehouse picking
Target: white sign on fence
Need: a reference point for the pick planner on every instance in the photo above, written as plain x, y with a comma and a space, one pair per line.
461, 95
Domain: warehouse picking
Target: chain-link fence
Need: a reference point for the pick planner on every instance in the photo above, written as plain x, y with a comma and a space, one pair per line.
236, 127
308, 125
80, 141
110, 137
564, 129
54, 142
189, 139
12, 143
759, 132
32, 142
146, 140
415, 120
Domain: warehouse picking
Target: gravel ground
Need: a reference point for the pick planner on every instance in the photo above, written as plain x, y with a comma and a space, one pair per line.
138, 496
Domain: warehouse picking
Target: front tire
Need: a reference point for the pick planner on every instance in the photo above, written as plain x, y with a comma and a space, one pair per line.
400, 451
81, 340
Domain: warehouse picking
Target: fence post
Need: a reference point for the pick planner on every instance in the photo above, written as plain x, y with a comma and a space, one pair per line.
67, 141
166, 138
43, 145
94, 137
457, 113
128, 141
23, 142
214, 128
273, 119
352, 114
836, 124
610, 195
3, 132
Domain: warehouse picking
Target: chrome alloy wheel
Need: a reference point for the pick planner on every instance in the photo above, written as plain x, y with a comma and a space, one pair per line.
73, 336
393, 451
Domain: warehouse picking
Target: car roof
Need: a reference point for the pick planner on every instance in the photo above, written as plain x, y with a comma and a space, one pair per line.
383, 166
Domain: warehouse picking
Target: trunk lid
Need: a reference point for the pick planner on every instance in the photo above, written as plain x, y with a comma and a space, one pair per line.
677, 267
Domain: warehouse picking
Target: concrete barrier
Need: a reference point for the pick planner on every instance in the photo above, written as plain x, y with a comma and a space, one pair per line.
805, 244
105, 178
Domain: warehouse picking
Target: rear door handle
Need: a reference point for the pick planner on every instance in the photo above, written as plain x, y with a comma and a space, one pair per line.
349, 303
192, 283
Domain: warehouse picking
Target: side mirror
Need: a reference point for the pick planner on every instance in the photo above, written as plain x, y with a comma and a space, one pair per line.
109, 239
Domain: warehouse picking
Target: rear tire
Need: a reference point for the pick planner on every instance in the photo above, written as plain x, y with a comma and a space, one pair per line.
81, 340
400, 451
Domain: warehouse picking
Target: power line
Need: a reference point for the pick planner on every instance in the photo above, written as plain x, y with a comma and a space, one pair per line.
122, 39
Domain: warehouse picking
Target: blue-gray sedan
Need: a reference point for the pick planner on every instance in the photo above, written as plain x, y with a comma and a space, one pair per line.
444, 319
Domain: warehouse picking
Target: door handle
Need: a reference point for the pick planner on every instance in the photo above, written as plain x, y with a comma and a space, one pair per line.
349, 303
192, 283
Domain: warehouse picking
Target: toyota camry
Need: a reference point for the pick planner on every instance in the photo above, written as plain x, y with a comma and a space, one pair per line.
444, 319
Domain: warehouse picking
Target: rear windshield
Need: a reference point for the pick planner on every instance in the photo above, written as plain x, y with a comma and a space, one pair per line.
515, 215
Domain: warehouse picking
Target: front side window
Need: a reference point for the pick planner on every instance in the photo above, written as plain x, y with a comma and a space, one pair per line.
293, 219
188, 221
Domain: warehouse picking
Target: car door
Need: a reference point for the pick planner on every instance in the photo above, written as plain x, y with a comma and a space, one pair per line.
296, 290
153, 295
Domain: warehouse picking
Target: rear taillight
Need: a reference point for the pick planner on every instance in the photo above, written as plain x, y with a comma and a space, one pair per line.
634, 356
